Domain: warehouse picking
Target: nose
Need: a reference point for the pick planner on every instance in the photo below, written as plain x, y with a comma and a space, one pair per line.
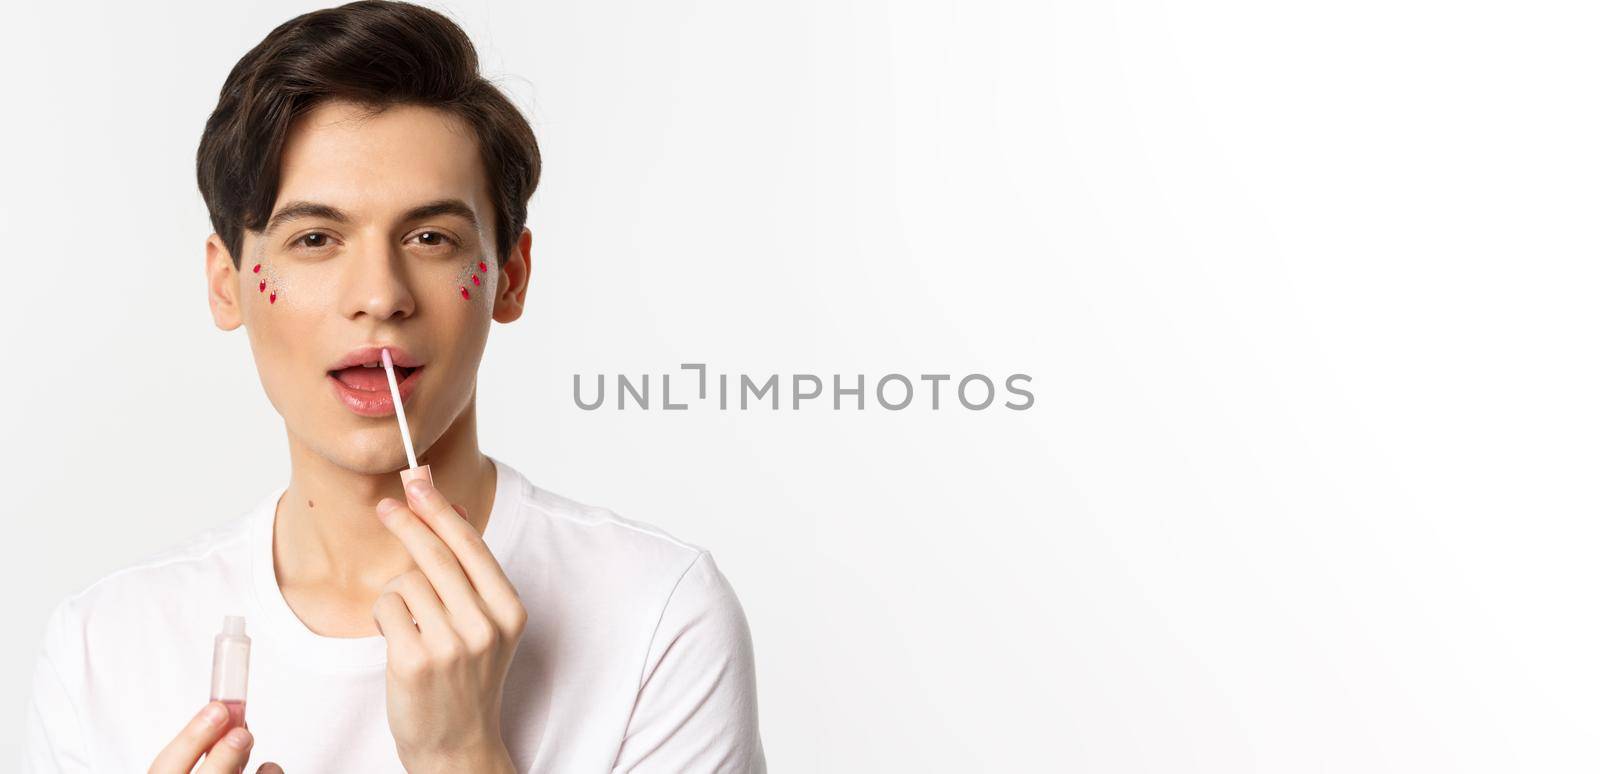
375, 283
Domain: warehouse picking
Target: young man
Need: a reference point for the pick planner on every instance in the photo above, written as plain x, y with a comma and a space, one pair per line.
369, 190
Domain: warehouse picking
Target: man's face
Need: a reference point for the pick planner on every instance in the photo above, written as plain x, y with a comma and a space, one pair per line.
382, 235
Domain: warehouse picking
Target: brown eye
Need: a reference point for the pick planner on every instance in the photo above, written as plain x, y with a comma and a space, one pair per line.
314, 240
433, 239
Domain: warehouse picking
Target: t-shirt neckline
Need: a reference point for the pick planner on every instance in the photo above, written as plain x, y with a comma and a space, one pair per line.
281, 628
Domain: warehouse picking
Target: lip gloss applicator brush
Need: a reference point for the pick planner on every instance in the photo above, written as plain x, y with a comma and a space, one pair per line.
414, 472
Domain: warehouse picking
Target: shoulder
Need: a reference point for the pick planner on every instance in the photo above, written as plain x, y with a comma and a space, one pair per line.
685, 588
636, 566
140, 593
567, 530
216, 551
658, 613
702, 605
605, 523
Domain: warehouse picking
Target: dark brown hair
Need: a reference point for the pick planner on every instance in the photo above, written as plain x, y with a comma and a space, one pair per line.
375, 54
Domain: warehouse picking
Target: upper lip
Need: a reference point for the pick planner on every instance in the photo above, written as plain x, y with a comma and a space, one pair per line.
374, 354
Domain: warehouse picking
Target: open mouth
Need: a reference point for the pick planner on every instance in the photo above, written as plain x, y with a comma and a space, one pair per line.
359, 382
371, 377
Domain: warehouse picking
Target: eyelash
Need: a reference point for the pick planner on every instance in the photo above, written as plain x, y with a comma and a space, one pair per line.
300, 240
441, 235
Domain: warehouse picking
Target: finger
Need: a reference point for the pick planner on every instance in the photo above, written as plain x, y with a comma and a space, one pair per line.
408, 656
270, 768
449, 522
394, 623
432, 556
228, 755
433, 621
185, 749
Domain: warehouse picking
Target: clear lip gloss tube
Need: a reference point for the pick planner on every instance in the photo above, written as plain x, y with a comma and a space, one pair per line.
230, 669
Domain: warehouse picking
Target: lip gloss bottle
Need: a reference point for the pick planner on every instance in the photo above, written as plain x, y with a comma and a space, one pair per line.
230, 669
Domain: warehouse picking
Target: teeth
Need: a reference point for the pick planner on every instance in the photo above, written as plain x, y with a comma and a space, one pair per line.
376, 365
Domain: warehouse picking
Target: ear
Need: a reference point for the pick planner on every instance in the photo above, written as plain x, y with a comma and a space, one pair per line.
222, 285
513, 287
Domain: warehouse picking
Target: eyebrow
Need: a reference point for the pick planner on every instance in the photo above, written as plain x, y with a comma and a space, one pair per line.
304, 209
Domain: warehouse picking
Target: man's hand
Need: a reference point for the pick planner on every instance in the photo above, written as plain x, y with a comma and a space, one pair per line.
447, 669
204, 736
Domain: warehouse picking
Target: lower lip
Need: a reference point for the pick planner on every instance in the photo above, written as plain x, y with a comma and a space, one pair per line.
373, 403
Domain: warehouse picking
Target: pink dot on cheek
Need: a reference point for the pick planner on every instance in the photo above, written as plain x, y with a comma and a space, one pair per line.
464, 293
483, 266
273, 298
475, 279
262, 287
257, 269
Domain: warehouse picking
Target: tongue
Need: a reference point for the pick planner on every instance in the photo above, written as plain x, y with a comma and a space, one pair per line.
359, 378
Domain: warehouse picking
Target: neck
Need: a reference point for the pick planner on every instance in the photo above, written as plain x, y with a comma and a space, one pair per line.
327, 535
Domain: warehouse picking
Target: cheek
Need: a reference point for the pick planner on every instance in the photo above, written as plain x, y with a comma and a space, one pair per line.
266, 281
278, 329
472, 278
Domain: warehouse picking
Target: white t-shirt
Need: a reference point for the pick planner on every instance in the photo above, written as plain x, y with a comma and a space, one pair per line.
636, 655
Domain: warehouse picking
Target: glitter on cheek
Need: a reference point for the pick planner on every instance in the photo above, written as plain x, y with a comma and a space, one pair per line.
468, 275
269, 283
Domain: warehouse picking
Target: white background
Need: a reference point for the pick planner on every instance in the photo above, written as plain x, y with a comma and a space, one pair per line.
1306, 291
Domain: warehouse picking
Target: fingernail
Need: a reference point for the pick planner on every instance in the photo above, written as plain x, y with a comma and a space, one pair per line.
387, 504
418, 488
238, 738
216, 714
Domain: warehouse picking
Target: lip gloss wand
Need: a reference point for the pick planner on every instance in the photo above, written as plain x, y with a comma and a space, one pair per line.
414, 472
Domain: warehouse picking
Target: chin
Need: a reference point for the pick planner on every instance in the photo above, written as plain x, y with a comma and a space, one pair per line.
367, 450
374, 464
